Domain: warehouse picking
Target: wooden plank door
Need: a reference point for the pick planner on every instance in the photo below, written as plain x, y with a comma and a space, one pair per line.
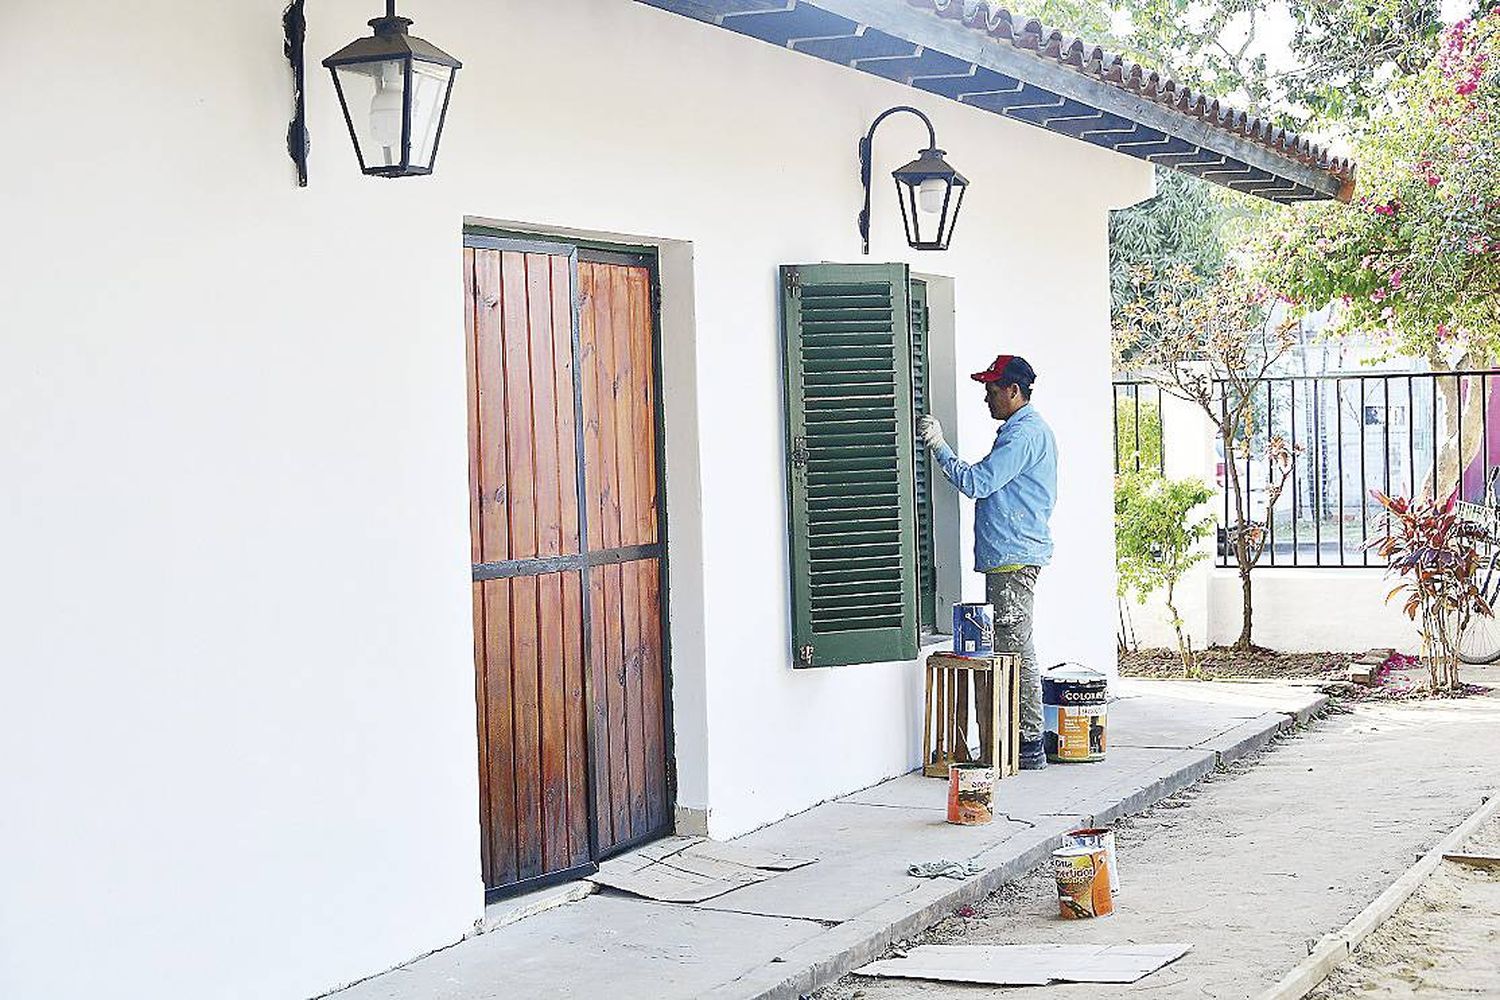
617, 364
568, 595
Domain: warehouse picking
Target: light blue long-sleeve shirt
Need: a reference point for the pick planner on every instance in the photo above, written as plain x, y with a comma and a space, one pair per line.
1015, 489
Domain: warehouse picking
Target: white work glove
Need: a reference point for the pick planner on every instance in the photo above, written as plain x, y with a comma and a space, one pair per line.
931, 432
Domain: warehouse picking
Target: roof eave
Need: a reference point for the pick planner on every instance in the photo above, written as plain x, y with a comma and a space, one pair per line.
954, 38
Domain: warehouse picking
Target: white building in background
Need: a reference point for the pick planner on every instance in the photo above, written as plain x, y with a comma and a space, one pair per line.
261, 515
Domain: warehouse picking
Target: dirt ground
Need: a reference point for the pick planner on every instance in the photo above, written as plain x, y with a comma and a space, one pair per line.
1443, 942
1330, 670
1256, 862
1223, 662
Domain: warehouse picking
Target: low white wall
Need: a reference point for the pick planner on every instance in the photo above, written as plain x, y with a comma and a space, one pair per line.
1295, 610
1310, 610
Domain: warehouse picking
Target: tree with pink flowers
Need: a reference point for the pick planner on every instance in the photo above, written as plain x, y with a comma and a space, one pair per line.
1416, 260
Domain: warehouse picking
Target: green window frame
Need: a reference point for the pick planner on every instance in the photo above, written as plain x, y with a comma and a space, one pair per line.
854, 528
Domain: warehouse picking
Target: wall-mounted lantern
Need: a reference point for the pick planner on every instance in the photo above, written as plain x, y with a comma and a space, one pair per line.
929, 190
393, 88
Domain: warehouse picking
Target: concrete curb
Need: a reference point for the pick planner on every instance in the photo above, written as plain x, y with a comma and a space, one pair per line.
831, 955
1313, 710
1334, 948
1248, 737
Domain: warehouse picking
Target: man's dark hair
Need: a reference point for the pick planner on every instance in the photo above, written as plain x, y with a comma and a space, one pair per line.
1025, 388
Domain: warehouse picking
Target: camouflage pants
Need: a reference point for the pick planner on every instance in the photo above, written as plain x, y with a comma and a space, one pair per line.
1012, 594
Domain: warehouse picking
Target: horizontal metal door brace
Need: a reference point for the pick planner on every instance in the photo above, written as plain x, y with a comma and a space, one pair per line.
542, 565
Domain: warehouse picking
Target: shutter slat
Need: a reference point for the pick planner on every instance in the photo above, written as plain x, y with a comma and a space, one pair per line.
850, 422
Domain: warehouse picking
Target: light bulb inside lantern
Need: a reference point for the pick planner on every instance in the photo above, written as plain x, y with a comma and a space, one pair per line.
930, 195
386, 109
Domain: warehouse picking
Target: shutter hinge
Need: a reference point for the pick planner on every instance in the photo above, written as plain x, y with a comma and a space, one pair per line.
792, 278
805, 654
799, 451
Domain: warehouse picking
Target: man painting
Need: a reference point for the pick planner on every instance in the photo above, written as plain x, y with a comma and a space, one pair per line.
1014, 488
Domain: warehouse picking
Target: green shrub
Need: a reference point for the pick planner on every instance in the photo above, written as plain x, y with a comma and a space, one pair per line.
1156, 540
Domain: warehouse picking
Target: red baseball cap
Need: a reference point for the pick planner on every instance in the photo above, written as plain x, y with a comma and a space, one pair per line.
1012, 369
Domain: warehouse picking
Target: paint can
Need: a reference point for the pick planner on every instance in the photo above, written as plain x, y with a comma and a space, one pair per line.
973, 629
1074, 713
971, 794
1082, 883
1098, 839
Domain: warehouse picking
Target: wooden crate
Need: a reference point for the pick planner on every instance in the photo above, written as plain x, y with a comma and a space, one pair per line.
991, 687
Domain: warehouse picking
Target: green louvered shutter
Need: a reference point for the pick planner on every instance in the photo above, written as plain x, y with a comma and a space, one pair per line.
921, 468
850, 438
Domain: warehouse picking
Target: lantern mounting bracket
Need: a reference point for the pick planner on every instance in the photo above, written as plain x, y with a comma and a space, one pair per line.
866, 146
294, 24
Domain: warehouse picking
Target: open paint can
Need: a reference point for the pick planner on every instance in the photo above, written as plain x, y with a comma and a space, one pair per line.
1082, 883
973, 629
1098, 839
971, 794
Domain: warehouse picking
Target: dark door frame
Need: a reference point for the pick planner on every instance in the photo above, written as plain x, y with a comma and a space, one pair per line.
584, 560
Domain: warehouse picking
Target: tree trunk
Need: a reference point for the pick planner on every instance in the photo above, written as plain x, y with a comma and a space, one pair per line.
1247, 612
1455, 455
1241, 545
1184, 645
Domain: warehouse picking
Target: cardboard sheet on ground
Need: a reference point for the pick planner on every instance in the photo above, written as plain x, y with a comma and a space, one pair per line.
691, 871
1028, 964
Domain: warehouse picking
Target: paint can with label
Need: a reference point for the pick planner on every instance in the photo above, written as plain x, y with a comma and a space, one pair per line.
1074, 713
1082, 883
1098, 839
971, 794
973, 629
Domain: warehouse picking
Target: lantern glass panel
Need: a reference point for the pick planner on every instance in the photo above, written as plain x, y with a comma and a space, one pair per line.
955, 202
429, 96
911, 219
374, 95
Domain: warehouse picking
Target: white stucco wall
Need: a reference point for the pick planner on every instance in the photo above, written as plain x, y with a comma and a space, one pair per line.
237, 743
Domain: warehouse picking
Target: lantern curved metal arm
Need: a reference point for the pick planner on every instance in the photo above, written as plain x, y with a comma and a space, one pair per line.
866, 145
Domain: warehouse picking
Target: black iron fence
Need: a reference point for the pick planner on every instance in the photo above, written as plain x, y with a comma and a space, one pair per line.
1405, 434
1139, 434
1399, 433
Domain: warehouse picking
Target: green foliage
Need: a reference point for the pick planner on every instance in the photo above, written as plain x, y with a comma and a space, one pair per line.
1417, 260
1209, 45
1336, 67
1085, 18
1184, 225
1345, 51
1141, 451
1156, 537
1156, 540
1343, 57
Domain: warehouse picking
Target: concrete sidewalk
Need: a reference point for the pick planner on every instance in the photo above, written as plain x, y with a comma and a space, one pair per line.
784, 937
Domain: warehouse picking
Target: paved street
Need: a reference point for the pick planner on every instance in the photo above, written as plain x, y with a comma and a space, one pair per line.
1252, 864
